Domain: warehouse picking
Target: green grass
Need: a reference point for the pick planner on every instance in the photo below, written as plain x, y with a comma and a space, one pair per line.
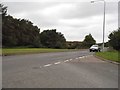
109, 55
16, 51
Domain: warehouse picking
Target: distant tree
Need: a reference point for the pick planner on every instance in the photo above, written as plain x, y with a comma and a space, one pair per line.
52, 39
115, 39
73, 44
106, 44
88, 41
3, 10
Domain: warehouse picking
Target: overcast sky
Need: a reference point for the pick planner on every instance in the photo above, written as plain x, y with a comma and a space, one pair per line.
73, 19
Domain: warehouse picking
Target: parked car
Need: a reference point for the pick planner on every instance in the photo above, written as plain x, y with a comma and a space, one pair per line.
94, 48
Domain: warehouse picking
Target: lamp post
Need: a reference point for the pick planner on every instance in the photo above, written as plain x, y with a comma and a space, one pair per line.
103, 21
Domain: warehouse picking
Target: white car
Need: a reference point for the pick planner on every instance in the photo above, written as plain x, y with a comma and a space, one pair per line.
94, 48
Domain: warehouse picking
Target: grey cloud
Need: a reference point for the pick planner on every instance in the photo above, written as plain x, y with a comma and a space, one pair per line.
49, 15
81, 9
17, 7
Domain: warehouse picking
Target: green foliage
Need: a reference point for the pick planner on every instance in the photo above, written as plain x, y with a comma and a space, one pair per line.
17, 51
109, 55
18, 32
3, 10
115, 39
21, 32
88, 41
52, 39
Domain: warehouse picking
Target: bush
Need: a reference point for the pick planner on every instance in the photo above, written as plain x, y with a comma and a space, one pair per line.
115, 39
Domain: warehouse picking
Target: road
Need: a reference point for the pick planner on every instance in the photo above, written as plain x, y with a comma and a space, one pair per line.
78, 69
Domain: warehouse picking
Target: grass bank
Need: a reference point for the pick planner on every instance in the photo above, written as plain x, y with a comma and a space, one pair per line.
109, 55
16, 51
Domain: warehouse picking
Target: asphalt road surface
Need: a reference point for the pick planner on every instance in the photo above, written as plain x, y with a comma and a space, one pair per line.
78, 69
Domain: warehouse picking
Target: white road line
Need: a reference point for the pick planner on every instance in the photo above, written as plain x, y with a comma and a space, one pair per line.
57, 63
47, 65
83, 56
80, 57
66, 60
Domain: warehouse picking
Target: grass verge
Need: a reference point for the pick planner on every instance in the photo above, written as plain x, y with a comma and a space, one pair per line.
109, 55
17, 51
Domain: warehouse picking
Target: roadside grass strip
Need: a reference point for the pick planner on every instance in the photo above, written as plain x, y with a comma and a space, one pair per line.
111, 56
22, 51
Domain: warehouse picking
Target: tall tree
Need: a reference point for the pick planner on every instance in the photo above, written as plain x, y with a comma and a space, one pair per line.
115, 39
88, 41
3, 10
18, 32
52, 39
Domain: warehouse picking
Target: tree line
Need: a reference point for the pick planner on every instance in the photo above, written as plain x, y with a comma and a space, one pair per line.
22, 32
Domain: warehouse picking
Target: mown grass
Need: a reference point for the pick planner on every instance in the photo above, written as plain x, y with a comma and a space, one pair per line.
16, 51
109, 55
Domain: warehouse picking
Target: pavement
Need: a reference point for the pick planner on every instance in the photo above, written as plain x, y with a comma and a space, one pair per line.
77, 69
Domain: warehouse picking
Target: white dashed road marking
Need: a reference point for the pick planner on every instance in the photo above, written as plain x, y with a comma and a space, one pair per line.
57, 63
47, 65
80, 57
83, 57
66, 60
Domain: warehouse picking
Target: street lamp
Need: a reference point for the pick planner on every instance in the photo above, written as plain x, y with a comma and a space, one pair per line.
103, 21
